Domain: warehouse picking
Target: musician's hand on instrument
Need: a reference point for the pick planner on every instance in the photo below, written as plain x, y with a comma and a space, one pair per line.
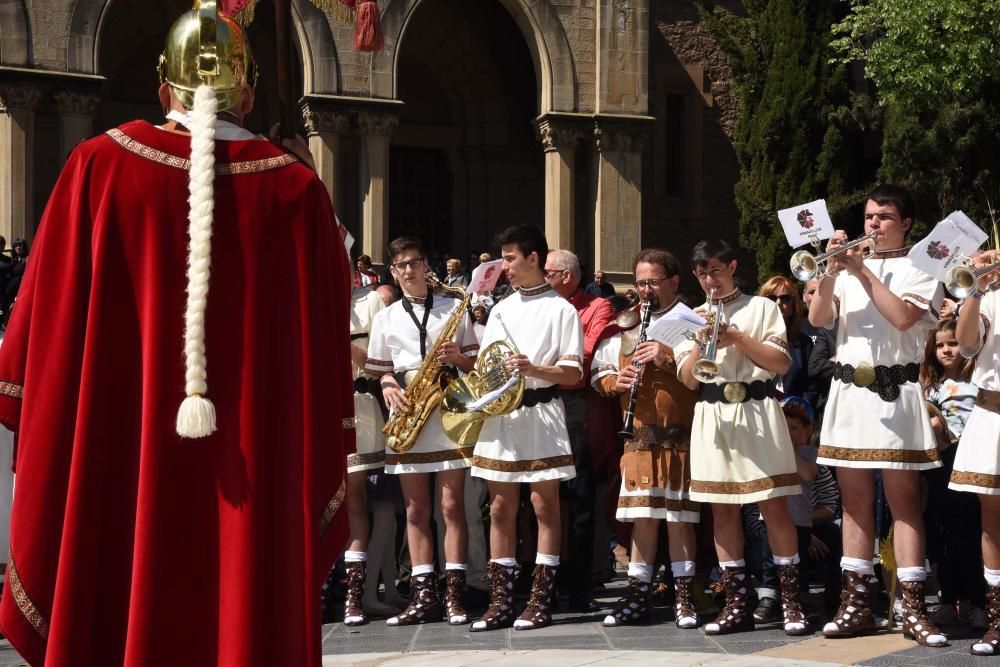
852, 261
519, 363
838, 239
652, 351
450, 353
728, 335
626, 378
394, 397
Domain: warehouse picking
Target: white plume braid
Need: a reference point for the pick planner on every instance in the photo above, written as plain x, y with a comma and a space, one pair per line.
196, 417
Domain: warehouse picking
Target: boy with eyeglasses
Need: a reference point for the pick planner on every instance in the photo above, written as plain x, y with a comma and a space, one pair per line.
401, 336
740, 447
656, 476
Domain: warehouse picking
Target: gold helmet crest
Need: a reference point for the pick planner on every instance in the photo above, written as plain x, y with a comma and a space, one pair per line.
205, 46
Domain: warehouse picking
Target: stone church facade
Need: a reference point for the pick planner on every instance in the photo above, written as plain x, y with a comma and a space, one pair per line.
606, 122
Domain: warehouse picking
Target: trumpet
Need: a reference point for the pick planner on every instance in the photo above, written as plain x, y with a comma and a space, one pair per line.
806, 266
707, 368
962, 280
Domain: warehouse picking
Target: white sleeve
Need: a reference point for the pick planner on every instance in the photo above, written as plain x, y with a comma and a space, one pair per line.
379, 360
605, 360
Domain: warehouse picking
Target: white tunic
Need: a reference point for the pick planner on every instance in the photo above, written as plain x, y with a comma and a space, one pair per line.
532, 444
977, 461
395, 348
741, 452
860, 430
371, 444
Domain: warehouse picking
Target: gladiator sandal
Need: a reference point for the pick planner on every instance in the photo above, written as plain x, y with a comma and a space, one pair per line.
854, 617
990, 643
685, 615
538, 613
794, 619
354, 613
454, 608
634, 607
500, 612
735, 616
424, 607
915, 623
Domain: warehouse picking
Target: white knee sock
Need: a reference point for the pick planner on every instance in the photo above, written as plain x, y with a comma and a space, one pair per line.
641, 571
505, 562
911, 574
547, 559
456, 566
786, 560
682, 568
992, 576
421, 570
858, 565
355, 556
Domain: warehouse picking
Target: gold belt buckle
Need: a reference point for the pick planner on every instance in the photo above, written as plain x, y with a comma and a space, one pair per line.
864, 374
735, 392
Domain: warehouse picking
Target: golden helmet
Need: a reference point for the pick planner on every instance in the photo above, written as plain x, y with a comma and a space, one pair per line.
205, 46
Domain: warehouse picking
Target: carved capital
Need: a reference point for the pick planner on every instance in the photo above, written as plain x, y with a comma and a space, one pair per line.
377, 124
555, 135
19, 97
614, 137
321, 120
81, 104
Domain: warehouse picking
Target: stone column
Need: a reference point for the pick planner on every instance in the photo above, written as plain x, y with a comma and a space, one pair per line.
76, 119
17, 121
375, 129
324, 129
559, 140
618, 212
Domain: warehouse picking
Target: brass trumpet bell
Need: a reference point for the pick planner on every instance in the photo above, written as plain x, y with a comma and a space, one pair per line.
806, 266
963, 279
205, 46
461, 424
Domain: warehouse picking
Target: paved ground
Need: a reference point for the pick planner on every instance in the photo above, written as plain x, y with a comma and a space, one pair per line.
578, 640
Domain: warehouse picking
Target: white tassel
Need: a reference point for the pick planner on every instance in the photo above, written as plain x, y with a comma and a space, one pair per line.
196, 417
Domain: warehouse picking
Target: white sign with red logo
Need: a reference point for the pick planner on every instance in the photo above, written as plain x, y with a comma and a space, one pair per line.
806, 223
485, 276
952, 240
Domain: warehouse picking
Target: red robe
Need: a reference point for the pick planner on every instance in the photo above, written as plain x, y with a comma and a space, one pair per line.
129, 544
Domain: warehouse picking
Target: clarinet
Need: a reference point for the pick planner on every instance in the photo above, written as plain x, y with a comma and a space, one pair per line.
627, 431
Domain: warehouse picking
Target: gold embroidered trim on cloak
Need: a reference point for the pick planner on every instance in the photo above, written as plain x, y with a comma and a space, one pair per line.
753, 486
533, 465
355, 460
349, 423
658, 502
223, 169
11, 389
332, 507
980, 479
430, 457
24, 603
880, 455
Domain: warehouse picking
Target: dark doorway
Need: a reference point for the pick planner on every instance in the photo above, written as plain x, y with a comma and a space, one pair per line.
420, 197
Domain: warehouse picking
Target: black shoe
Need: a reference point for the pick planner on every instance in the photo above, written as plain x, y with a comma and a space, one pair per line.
768, 611
583, 603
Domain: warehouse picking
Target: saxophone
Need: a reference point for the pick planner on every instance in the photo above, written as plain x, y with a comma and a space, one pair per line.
424, 391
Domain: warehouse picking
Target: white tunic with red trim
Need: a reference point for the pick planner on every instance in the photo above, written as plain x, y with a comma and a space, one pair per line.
741, 452
977, 461
860, 430
394, 347
532, 444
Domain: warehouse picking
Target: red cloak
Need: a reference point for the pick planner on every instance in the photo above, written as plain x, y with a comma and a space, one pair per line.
129, 544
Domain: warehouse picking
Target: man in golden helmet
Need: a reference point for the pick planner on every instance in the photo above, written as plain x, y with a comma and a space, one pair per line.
137, 523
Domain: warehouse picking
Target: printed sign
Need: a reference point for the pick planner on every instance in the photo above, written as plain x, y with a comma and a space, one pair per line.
485, 276
951, 241
806, 223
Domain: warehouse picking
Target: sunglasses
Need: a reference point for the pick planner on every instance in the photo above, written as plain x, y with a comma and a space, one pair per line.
780, 298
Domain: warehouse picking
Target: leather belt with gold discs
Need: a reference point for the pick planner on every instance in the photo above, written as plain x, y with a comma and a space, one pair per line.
988, 400
736, 392
881, 380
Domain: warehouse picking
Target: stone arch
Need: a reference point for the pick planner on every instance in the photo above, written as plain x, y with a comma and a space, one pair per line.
543, 33
15, 35
312, 34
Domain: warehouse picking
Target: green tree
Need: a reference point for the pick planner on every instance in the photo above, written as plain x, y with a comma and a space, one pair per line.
935, 65
799, 120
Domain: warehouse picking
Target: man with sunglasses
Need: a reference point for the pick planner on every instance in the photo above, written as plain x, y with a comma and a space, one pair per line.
401, 337
655, 473
586, 435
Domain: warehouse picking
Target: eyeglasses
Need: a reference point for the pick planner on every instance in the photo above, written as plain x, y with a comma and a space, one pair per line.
551, 273
652, 282
412, 264
780, 298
